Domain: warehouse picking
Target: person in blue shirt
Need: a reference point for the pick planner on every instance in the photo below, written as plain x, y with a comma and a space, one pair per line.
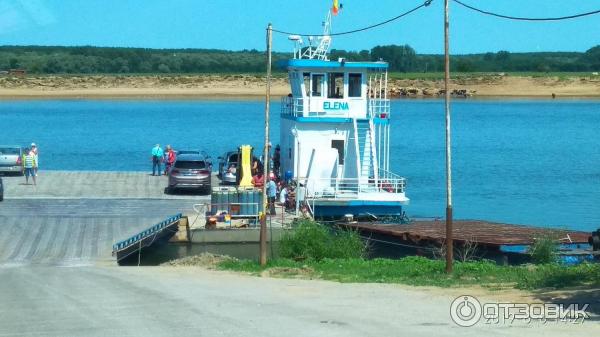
271, 195
157, 157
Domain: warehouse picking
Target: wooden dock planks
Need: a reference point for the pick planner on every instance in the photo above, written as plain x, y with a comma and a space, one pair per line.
477, 231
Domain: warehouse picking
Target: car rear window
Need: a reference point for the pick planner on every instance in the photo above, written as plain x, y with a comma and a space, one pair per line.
9, 151
233, 158
188, 164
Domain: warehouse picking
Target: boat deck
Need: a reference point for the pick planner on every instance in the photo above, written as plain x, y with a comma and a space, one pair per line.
480, 232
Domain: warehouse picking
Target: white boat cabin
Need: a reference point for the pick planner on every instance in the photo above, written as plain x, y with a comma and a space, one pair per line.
335, 133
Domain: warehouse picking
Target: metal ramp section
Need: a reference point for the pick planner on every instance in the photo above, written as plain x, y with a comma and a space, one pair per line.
160, 232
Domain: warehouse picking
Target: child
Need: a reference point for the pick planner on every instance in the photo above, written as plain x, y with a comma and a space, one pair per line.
283, 197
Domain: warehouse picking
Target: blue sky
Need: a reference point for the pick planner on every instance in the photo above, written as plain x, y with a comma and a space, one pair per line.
240, 24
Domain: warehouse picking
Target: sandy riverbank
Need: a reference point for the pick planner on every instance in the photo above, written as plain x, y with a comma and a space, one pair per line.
248, 86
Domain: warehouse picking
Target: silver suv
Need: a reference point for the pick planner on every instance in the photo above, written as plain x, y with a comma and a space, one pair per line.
190, 171
10, 159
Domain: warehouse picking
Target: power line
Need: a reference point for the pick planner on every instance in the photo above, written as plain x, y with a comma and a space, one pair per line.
526, 18
425, 4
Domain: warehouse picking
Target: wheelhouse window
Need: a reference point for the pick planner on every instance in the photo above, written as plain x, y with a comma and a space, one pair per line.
317, 85
335, 85
338, 144
306, 77
354, 85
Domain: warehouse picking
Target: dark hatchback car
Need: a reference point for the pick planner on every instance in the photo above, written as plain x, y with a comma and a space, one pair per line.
190, 171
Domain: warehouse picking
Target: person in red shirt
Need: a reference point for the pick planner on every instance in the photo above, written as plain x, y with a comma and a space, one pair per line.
169, 159
258, 180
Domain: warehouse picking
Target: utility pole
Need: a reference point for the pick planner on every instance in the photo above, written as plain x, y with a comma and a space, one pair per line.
449, 239
263, 220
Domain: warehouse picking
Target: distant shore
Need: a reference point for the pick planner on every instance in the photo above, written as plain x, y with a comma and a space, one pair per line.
253, 86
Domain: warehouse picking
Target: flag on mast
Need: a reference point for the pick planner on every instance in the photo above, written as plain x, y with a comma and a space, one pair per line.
336, 7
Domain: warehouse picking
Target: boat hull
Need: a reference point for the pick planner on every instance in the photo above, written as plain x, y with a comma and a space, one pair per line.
358, 208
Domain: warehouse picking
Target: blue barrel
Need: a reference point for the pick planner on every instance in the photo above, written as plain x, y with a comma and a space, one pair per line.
234, 203
256, 193
221, 201
232, 196
231, 199
214, 200
225, 199
243, 197
251, 201
259, 201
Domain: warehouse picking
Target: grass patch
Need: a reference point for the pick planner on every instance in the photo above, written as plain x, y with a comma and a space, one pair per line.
313, 241
421, 271
544, 250
315, 251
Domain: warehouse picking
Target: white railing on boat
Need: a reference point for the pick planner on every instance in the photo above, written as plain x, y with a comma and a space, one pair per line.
379, 108
391, 181
291, 106
352, 188
295, 107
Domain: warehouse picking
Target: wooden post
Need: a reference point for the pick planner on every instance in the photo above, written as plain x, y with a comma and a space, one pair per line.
263, 221
449, 239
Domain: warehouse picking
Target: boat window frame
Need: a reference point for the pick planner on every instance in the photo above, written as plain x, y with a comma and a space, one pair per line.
323, 84
360, 85
306, 82
334, 76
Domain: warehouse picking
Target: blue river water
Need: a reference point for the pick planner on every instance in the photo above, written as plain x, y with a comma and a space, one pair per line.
520, 161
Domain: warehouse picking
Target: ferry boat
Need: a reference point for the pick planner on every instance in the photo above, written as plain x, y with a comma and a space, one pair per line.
335, 133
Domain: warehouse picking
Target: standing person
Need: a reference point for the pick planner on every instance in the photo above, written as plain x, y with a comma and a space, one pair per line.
34, 149
157, 157
257, 166
258, 180
169, 159
272, 194
283, 196
28, 165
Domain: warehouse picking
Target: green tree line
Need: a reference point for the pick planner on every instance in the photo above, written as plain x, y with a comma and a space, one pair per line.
403, 58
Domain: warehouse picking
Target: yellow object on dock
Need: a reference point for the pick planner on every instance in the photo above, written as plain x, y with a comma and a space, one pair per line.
246, 166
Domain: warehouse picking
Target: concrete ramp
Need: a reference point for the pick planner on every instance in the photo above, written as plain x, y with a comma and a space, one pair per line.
70, 232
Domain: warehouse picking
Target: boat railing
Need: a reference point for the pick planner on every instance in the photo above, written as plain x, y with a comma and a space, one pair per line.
353, 188
379, 108
292, 106
391, 180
